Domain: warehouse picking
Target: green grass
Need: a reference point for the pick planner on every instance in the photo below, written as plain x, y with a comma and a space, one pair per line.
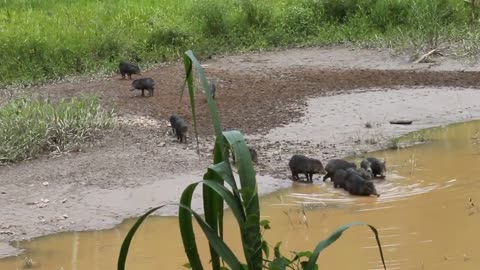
46, 39
30, 127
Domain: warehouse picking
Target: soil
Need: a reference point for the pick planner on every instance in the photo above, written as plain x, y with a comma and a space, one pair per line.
314, 101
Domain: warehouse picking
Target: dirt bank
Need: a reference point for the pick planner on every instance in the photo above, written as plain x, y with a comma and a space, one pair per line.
313, 101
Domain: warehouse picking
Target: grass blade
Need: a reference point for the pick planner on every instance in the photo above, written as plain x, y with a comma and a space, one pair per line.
249, 196
212, 203
217, 244
122, 258
334, 237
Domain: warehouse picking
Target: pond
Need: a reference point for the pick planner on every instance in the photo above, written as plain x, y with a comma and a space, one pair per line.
428, 217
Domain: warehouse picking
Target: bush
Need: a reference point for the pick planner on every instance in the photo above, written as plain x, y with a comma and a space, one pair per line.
211, 16
29, 127
167, 37
390, 13
300, 21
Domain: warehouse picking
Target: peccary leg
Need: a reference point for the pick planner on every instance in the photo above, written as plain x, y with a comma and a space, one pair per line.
326, 176
143, 93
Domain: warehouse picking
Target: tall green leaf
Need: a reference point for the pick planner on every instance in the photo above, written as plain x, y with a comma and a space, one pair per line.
212, 203
333, 237
122, 258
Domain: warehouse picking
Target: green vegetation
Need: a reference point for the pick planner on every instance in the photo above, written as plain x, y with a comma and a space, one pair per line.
29, 127
219, 187
47, 39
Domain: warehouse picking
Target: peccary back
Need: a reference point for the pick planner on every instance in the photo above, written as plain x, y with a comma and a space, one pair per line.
308, 166
181, 130
128, 68
356, 185
173, 122
374, 165
144, 84
337, 164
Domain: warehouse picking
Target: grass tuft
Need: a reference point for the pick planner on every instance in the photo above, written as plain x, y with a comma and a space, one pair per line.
30, 127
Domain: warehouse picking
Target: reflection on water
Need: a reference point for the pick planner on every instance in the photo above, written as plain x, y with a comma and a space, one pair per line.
427, 217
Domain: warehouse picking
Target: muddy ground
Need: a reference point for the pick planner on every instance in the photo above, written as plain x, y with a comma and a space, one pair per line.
314, 101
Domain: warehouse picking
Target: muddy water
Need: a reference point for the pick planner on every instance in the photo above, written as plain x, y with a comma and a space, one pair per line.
427, 217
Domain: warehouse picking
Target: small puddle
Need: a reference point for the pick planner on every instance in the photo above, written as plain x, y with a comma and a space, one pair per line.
428, 218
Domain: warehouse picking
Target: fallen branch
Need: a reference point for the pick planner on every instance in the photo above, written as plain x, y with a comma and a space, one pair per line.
422, 59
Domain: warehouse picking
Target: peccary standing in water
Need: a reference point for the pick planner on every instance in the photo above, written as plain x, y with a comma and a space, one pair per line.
129, 69
173, 122
144, 84
337, 164
367, 175
356, 185
339, 178
253, 155
181, 130
308, 166
374, 165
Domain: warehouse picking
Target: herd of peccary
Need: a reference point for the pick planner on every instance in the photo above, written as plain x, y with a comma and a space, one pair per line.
179, 126
343, 174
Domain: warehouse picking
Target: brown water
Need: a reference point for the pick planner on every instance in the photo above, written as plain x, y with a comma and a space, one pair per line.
425, 218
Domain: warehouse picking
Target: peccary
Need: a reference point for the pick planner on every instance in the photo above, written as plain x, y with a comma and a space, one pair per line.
374, 165
173, 122
356, 185
308, 166
127, 68
144, 84
181, 130
339, 178
367, 175
253, 155
337, 164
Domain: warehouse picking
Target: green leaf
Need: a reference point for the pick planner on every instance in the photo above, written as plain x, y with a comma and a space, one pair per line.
299, 255
304, 265
265, 224
265, 249
217, 244
249, 194
122, 258
334, 237
276, 250
280, 263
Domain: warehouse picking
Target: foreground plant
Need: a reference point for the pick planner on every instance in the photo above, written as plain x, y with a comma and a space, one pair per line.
219, 187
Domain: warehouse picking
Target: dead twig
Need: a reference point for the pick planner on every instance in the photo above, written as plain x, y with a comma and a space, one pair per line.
424, 57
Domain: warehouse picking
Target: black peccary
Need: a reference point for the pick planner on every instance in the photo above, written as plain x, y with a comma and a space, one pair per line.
356, 185
374, 165
128, 69
181, 130
253, 155
173, 123
367, 175
308, 166
337, 164
339, 178
144, 84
